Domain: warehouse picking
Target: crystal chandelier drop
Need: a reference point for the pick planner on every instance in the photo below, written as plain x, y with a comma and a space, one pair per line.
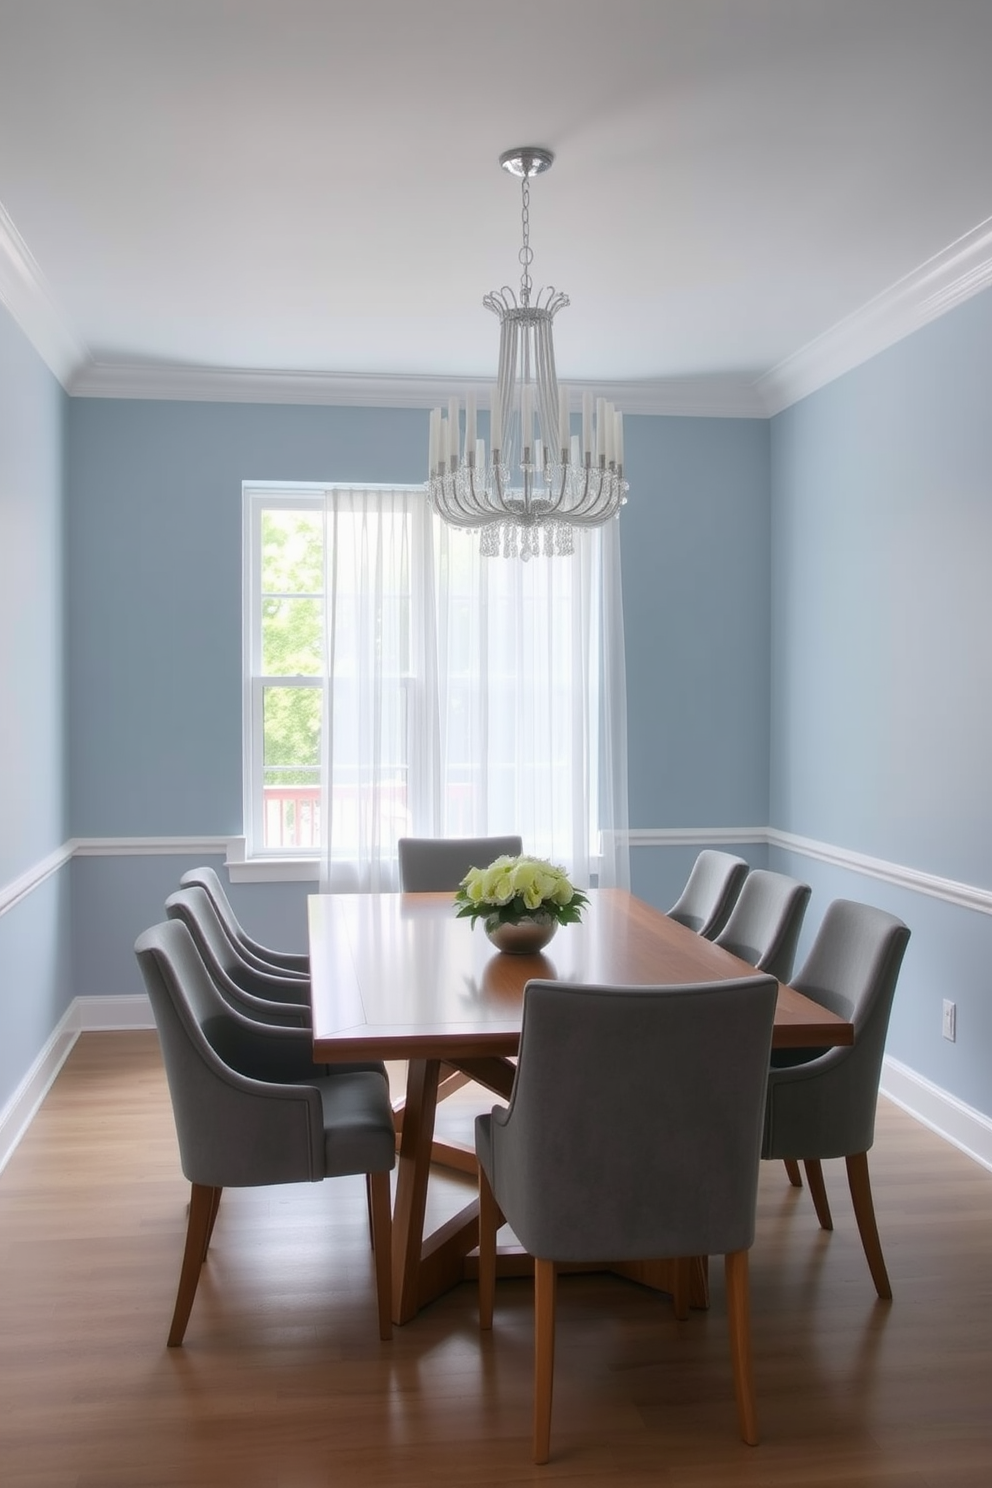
537, 481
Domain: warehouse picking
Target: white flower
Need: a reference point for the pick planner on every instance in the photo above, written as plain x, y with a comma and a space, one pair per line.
513, 888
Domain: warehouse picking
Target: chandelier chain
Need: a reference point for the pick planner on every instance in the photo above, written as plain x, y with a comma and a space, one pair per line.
526, 254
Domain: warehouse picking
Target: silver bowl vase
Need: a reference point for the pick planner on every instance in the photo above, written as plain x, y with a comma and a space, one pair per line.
525, 938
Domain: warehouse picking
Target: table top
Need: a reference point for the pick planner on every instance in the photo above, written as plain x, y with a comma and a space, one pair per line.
398, 976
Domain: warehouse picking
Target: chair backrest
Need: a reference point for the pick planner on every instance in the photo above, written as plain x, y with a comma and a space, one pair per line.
284, 997
431, 864
764, 924
710, 892
208, 879
283, 963
825, 1107
234, 1128
634, 1125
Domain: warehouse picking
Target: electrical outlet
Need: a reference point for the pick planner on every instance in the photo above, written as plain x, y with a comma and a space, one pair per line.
950, 1025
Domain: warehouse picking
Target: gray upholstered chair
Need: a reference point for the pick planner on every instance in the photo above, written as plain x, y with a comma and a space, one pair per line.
250, 1112
821, 1103
283, 963
633, 1132
710, 892
263, 995
764, 924
431, 864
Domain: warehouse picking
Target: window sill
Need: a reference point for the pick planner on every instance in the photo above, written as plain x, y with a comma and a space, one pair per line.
268, 870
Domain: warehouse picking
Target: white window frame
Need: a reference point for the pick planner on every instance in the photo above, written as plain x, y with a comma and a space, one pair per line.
248, 858
250, 853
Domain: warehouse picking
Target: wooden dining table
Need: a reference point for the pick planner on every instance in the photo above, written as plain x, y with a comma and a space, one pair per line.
398, 976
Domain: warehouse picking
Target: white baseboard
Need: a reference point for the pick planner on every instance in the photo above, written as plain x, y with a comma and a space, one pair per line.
82, 1015
958, 1123
943, 1113
101, 1013
17, 1115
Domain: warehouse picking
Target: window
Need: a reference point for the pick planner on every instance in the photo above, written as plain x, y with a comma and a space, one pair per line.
286, 640
397, 683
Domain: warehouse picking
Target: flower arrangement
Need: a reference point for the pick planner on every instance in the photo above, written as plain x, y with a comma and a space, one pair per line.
514, 889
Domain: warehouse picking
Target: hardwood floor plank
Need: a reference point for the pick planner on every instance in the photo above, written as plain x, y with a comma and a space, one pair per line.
282, 1381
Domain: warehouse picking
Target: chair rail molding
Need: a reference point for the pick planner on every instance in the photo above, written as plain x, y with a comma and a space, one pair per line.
32, 878
12, 893
695, 836
965, 896
127, 847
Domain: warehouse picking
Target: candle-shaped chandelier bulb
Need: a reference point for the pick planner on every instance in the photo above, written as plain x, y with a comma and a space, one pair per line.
537, 481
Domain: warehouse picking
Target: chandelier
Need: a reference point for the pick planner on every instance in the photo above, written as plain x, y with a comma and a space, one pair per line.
537, 481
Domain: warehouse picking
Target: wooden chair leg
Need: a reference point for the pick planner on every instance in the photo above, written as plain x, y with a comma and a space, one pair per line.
203, 1203
381, 1222
368, 1209
681, 1276
739, 1323
215, 1205
699, 1281
545, 1284
864, 1213
818, 1192
490, 1220
792, 1170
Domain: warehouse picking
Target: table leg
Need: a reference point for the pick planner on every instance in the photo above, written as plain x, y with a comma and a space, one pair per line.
411, 1184
426, 1267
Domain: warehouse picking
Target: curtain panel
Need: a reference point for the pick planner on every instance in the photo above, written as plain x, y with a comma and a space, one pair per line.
468, 696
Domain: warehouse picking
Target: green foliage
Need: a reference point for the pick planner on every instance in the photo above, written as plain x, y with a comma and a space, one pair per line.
292, 637
291, 730
292, 641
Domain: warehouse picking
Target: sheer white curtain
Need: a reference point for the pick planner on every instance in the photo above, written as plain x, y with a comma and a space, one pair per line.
532, 700
467, 695
379, 736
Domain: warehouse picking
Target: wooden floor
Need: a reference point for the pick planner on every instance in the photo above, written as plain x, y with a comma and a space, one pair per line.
283, 1382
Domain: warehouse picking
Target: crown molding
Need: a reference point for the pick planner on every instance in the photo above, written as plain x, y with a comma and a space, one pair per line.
175, 382
26, 294
962, 269
692, 397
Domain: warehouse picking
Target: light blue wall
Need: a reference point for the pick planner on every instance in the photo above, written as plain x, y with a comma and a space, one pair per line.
807, 617
881, 719
695, 542
32, 794
155, 603
155, 629
116, 897
34, 984
154, 591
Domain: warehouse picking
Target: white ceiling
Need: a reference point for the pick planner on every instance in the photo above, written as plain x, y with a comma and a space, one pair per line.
311, 187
